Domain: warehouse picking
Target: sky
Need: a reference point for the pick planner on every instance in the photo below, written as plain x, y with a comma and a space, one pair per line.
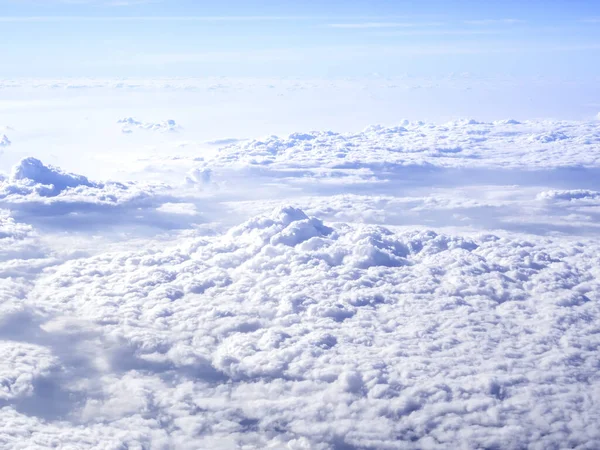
325, 39
299, 224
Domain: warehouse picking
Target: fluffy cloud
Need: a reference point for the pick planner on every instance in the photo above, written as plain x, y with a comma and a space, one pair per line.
573, 194
47, 195
288, 331
129, 123
31, 172
380, 311
22, 252
4, 141
460, 144
22, 364
30, 180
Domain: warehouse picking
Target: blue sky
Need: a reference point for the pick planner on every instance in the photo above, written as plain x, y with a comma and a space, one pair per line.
53, 38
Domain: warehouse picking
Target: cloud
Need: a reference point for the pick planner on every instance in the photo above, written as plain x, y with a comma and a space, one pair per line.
98, 2
284, 329
22, 364
438, 32
51, 198
425, 25
131, 2
178, 208
384, 25
494, 22
129, 123
401, 148
569, 195
22, 252
132, 18
33, 170
224, 141
299, 326
420, 285
551, 136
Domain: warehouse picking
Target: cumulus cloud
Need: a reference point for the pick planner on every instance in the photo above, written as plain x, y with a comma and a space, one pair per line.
4, 141
573, 194
22, 364
20, 243
32, 179
199, 177
129, 124
384, 316
459, 144
47, 196
32, 171
550, 137
284, 330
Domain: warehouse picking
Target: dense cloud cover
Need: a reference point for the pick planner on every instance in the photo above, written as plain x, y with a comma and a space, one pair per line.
466, 143
420, 311
287, 330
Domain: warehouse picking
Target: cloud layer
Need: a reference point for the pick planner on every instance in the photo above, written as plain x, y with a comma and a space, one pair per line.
468, 143
288, 331
408, 287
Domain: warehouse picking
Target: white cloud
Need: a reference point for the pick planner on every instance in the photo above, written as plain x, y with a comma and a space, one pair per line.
285, 329
574, 194
50, 198
494, 22
347, 320
22, 364
100, 18
178, 208
33, 170
129, 123
410, 144
439, 32
360, 25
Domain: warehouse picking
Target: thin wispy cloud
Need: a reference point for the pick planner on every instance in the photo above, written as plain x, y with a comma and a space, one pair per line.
384, 25
494, 22
105, 2
191, 18
341, 53
130, 2
147, 18
434, 32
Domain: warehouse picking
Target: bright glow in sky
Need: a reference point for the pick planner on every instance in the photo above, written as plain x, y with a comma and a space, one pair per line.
58, 38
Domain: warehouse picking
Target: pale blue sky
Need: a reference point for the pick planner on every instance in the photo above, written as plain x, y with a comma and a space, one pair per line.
72, 38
